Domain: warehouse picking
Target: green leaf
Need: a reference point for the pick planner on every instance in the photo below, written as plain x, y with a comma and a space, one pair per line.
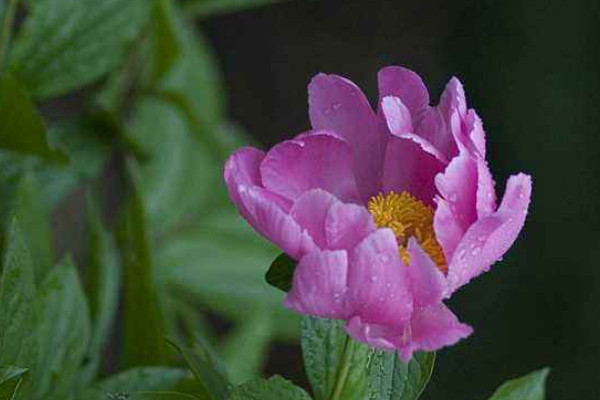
21, 127
10, 381
64, 332
244, 351
17, 306
281, 272
205, 8
528, 387
144, 326
275, 388
34, 217
207, 370
161, 396
66, 44
135, 380
391, 379
103, 288
323, 345
165, 43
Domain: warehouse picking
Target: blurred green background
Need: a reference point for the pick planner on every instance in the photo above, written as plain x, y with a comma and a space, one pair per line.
131, 107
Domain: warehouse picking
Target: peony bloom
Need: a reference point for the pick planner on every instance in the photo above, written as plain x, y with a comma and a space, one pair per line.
387, 213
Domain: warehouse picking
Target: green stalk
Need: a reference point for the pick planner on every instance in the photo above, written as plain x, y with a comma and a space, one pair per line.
343, 369
7, 23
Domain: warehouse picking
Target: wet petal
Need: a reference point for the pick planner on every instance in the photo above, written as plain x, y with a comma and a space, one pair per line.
310, 212
378, 336
319, 285
458, 186
337, 104
489, 238
427, 282
378, 282
317, 161
346, 225
242, 168
406, 85
270, 220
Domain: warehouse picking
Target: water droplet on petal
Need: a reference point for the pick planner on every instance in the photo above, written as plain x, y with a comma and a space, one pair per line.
384, 258
453, 197
475, 251
373, 278
336, 106
327, 111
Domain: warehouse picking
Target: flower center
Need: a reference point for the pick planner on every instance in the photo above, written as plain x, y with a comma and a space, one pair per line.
408, 217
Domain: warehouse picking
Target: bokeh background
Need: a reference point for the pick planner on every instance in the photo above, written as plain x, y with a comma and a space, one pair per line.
532, 71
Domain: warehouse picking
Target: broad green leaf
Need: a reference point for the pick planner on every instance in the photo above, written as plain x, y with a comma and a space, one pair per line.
17, 302
275, 388
34, 218
64, 332
281, 272
205, 8
528, 387
244, 351
66, 44
135, 380
161, 396
21, 127
391, 379
166, 48
144, 325
103, 288
207, 370
324, 343
10, 381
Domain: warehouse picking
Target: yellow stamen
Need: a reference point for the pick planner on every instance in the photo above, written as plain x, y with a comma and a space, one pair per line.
408, 217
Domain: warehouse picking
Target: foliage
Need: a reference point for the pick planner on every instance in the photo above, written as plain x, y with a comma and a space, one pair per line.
163, 247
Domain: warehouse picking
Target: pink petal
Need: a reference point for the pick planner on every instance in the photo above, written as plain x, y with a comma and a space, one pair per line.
458, 186
427, 282
406, 85
453, 99
486, 193
310, 212
432, 127
474, 131
432, 328
398, 121
448, 230
319, 285
397, 116
378, 336
339, 105
489, 238
317, 161
346, 225
242, 168
409, 168
378, 282
268, 218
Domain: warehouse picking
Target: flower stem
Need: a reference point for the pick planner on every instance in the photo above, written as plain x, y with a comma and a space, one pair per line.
343, 369
7, 24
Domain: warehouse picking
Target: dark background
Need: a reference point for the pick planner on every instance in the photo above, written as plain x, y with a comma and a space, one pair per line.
531, 69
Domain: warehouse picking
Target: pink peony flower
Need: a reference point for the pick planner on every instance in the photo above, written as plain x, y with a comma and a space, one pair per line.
387, 213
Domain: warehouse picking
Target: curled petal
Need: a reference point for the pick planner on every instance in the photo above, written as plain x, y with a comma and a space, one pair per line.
427, 282
453, 99
486, 193
409, 168
432, 328
346, 225
339, 105
378, 336
458, 186
316, 161
242, 168
489, 238
319, 285
406, 85
310, 212
448, 230
377, 282
397, 116
267, 218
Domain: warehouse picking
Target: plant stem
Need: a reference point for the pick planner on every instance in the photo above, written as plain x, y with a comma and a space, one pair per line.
7, 23
343, 369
